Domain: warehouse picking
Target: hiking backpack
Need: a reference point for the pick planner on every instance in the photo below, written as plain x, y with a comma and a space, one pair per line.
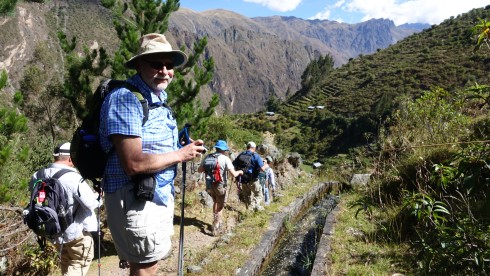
48, 213
212, 167
243, 162
85, 151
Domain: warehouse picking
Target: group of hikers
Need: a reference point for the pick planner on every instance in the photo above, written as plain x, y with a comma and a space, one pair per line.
138, 181
254, 176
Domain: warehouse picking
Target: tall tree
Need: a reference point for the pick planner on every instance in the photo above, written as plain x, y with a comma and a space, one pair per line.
315, 71
137, 17
83, 73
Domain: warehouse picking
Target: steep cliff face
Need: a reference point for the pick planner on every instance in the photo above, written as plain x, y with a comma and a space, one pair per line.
18, 37
255, 57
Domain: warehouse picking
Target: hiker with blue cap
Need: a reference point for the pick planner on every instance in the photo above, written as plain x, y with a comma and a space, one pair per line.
215, 166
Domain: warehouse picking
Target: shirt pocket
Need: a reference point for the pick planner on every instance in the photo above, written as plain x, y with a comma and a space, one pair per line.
159, 132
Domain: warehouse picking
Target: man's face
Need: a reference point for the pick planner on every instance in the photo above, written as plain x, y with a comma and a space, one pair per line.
156, 72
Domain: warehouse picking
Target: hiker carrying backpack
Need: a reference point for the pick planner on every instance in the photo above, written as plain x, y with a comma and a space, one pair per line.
48, 213
251, 164
61, 210
244, 162
86, 152
216, 167
212, 168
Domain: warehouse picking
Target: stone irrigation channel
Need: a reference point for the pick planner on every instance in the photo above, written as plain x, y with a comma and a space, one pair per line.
261, 254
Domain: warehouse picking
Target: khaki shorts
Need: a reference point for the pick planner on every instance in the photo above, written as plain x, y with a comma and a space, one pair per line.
217, 192
141, 230
77, 255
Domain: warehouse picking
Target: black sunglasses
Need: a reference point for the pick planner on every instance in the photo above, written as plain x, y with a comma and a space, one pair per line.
159, 65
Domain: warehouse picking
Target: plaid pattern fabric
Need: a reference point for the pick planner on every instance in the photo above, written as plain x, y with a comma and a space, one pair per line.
122, 113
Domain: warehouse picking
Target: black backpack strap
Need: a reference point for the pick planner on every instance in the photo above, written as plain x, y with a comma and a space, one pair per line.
143, 101
60, 173
105, 88
41, 174
251, 158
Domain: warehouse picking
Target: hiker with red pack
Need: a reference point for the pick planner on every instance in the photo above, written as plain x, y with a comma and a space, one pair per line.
215, 165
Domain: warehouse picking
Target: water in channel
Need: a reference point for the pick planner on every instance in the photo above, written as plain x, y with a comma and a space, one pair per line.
295, 253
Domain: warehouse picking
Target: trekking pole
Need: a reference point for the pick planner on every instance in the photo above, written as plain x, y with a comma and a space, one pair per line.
183, 141
239, 186
98, 231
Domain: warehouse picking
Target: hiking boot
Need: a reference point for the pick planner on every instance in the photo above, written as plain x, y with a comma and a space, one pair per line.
217, 229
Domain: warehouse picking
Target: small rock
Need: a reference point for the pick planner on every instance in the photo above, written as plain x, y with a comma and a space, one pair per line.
3, 265
194, 269
206, 199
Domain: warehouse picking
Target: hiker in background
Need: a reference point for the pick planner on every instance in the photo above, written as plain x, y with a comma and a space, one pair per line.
251, 187
217, 189
76, 243
271, 178
264, 184
142, 160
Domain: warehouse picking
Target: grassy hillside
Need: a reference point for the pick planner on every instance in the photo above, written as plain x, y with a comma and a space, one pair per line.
359, 95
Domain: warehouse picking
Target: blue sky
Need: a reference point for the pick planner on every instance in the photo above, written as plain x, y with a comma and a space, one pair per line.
349, 11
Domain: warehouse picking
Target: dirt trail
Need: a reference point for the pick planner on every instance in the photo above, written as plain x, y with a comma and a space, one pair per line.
194, 240
197, 231
197, 237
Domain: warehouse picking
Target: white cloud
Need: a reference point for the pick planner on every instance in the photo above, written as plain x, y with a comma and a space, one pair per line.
324, 15
277, 5
339, 4
412, 11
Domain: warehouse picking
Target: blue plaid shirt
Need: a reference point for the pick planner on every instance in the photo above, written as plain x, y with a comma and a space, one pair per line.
122, 113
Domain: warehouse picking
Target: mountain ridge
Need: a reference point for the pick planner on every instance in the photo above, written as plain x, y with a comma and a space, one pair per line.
280, 47
254, 60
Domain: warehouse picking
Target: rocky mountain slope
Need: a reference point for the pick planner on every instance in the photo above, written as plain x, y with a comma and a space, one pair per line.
255, 57
264, 56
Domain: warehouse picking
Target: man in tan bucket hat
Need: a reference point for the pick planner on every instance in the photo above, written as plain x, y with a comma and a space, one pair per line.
142, 158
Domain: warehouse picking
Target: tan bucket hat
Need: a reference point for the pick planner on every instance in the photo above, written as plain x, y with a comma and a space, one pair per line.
157, 44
